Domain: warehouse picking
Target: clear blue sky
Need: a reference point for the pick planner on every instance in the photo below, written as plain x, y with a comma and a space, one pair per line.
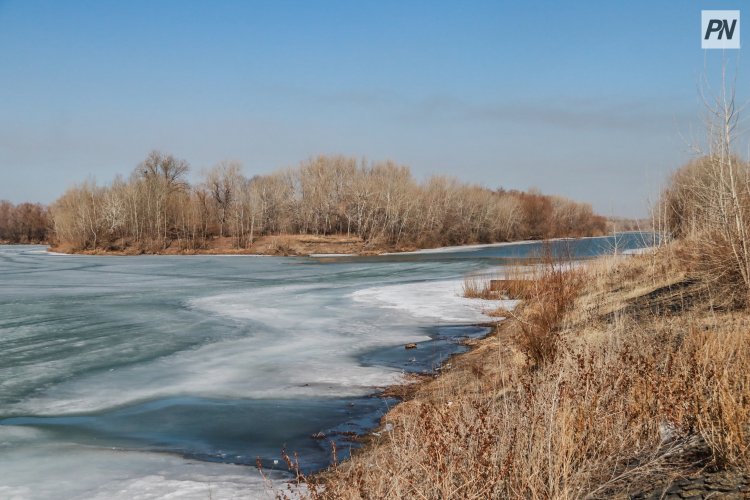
593, 100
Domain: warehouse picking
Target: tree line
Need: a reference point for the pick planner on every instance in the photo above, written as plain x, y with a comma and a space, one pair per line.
380, 202
23, 223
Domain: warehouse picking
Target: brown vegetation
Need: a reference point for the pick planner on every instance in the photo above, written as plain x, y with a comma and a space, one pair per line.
706, 205
23, 223
475, 287
608, 393
380, 204
550, 292
280, 244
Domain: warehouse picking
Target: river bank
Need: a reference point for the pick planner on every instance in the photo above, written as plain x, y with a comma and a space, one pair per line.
276, 245
319, 246
646, 394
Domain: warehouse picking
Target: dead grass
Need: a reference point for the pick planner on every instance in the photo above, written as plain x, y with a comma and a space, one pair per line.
711, 259
626, 400
283, 244
515, 282
549, 292
475, 287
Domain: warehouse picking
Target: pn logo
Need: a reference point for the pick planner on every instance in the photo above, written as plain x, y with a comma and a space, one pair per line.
720, 29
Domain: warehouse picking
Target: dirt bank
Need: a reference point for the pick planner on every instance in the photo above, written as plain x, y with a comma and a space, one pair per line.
282, 245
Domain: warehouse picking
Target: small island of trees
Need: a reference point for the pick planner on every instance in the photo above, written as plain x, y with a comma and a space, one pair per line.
379, 203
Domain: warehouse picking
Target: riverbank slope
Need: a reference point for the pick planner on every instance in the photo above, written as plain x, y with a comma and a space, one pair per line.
279, 245
626, 379
319, 245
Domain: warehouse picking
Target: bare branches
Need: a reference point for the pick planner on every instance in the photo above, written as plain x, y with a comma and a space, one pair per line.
164, 167
707, 202
380, 203
23, 223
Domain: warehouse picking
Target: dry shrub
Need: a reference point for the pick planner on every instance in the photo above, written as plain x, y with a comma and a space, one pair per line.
712, 260
515, 282
548, 294
514, 288
706, 206
615, 409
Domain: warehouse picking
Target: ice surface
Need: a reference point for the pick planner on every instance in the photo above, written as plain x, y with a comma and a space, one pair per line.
89, 339
62, 470
435, 301
102, 346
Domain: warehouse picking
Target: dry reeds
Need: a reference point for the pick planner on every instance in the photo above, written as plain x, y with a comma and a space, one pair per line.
514, 283
475, 287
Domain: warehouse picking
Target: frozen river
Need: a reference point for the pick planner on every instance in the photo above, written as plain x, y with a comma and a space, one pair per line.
142, 377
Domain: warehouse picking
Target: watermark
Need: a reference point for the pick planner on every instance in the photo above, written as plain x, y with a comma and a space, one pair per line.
720, 29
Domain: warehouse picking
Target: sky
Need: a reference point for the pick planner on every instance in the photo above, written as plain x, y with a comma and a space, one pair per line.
596, 101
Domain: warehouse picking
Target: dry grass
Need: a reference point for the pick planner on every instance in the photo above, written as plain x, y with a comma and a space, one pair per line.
630, 397
706, 205
515, 282
475, 287
493, 289
283, 244
548, 294
711, 259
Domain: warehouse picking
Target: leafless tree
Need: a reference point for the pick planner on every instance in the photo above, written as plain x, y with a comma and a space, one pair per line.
379, 202
707, 202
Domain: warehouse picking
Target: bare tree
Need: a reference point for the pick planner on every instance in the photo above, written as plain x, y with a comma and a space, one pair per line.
160, 178
223, 182
379, 202
707, 202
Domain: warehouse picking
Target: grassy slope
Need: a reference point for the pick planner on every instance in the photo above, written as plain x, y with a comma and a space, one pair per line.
645, 382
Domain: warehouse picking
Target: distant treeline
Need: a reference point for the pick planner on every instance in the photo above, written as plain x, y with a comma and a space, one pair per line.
23, 223
156, 208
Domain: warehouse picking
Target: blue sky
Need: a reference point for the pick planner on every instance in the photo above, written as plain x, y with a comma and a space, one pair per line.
592, 100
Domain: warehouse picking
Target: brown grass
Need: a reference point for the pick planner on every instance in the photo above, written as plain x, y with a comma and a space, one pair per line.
475, 287
548, 294
284, 244
712, 260
516, 283
628, 399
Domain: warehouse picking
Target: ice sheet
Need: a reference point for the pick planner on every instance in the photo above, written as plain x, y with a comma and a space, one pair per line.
435, 301
54, 470
88, 336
